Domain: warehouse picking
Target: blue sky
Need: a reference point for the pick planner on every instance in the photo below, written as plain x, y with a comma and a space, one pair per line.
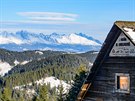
92, 17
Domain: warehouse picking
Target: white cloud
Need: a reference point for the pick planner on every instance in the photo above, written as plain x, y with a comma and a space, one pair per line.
49, 16
48, 22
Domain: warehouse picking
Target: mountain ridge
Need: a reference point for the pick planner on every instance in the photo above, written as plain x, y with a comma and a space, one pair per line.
23, 40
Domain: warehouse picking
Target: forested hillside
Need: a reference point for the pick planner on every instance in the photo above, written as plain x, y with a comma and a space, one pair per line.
11, 56
63, 67
28, 81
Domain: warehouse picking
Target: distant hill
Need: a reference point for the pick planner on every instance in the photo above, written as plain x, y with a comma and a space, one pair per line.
62, 66
65, 60
19, 62
12, 56
90, 55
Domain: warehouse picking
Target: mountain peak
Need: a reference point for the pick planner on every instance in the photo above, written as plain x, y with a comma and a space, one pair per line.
22, 34
89, 37
78, 39
33, 41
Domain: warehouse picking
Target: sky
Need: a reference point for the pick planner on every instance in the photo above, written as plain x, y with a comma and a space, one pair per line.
92, 17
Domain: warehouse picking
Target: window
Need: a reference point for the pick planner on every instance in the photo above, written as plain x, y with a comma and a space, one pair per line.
122, 82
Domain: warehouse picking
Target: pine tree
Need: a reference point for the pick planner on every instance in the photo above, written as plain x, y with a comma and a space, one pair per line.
1, 81
61, 90
6, 94
79, 78
43, 93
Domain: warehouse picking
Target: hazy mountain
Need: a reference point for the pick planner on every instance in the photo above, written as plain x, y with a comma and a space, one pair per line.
24, 40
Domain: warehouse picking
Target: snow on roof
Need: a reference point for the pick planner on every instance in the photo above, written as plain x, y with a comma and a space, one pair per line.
131, 33
128, 27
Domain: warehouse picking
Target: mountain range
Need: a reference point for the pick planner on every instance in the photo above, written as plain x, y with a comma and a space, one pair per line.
23, 40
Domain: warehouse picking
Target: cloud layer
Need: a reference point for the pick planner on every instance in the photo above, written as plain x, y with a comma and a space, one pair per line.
49, 16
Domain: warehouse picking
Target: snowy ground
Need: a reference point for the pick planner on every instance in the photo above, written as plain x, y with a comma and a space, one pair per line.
39, 52
16, 62
21, 63
24, 62
54, 82
4, 67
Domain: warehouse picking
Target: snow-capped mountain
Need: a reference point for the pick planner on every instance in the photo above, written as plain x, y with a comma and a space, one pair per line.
76, 39
24, 40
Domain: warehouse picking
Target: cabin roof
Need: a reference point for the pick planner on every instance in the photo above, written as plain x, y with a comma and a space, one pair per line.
128, 28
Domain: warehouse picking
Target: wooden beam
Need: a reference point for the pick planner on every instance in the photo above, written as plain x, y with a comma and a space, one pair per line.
83, 91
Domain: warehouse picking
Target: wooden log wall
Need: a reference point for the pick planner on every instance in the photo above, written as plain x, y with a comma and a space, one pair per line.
103, 86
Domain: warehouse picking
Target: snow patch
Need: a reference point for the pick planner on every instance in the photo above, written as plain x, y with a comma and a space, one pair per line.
47, 48
90, 64
130, 32
16, 62
30, 91
54, 82
21, 63
95, 52
24, 62
4, 68
19, 87
25, 49
39, 52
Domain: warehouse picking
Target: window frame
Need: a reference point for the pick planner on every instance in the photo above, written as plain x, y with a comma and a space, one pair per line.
116, 82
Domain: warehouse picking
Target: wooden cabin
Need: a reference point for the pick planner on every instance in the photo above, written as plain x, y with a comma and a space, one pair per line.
112, 77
